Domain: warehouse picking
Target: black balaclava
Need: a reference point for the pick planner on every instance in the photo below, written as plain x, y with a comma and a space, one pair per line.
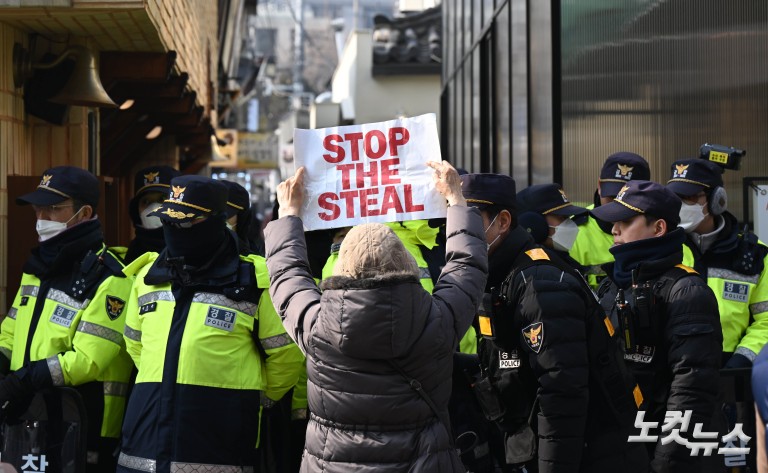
198, 243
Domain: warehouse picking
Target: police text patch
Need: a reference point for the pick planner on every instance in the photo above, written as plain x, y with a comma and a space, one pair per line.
221, 318
733, 291
151, 307
509, 360
63, 316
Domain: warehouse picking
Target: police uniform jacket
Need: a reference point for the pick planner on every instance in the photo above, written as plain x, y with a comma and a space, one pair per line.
206, 351
735, 269
540, 363
70, 313
680, 371
364, 416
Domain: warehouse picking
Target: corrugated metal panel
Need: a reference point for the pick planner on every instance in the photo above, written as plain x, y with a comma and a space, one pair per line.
660, 78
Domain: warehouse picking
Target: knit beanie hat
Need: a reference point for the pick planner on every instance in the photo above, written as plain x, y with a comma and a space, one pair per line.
371, 250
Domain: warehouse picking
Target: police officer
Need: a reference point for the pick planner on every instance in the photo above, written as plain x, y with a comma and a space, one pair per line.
594, 238
732, 261
64, 327
150, 189
545, 212
209, 347
242, 220
553, 376
667, 314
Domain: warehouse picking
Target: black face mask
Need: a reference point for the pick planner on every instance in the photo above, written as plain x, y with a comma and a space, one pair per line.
198, 243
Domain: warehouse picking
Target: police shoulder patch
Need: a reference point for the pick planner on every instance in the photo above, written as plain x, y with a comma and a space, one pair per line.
537, 254
114, 306
534, 336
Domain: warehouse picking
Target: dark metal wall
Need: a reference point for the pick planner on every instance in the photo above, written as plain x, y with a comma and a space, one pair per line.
546, 90
499, 95
660, 78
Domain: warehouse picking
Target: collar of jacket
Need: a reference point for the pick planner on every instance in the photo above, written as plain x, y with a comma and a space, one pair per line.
389, 279
727, 237
648, 270
500, 263
220, 270
60, 253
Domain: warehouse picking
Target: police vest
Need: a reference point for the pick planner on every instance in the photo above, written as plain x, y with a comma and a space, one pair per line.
77, 327
225, 322
741, 289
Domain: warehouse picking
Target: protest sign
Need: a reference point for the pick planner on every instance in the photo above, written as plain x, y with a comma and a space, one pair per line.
374, 172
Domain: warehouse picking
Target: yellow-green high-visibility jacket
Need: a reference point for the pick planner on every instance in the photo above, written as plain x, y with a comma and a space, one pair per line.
414, 233
591, 250
741, 298
206, 352
79, 335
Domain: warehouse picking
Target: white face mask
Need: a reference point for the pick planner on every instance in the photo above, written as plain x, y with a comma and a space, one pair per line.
153, 222
48, 229
565, 235
691, 215
488, 245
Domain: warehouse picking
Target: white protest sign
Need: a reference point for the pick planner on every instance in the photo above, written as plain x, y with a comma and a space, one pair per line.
374, 172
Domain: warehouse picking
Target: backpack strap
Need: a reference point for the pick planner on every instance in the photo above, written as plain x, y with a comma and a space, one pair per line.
667, 281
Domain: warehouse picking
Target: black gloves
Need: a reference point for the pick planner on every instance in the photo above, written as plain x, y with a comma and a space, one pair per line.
18, 388
15, 396
738, 361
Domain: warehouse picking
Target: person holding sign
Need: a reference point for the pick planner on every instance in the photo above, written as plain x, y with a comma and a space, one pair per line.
375, 338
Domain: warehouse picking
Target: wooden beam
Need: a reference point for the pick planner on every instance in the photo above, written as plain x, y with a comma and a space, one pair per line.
120, 66
174, 88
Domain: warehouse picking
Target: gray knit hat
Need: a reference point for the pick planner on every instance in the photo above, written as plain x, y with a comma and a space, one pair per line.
371, 250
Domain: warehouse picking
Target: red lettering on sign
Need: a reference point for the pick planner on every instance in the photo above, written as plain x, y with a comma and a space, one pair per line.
327, 201
361, 174
345, 169
368, 199
389, 171
409, 206
349, 196
398, 136
391, 200
381, 144
353, 138
333, 148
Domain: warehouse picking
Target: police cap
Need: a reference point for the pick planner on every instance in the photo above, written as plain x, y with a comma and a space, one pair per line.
619, 169
641, 198
154, 179
192, 197
61, 183
691, 176
238, 198
484, 190
547, 199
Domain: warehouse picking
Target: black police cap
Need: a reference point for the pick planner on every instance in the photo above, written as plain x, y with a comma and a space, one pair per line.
691, 176
192, 197
620, 168
61, 183
641, 198
483, 190
154, 179
238, 200
546, 199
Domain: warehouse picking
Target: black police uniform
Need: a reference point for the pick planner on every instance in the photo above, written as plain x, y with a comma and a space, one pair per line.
669, 319
150, 179
561, 410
